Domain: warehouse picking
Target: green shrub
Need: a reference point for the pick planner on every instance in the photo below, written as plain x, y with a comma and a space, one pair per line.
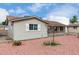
50, 43
17, 43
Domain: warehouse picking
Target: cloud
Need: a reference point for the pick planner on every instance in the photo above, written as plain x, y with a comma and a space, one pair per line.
62, 13
17, 11
22, 15
3, 14
20, 10
37, 7
8, 4
63, 20
12, 11
65, 10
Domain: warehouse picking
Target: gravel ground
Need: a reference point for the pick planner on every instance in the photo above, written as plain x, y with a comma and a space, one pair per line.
69, 46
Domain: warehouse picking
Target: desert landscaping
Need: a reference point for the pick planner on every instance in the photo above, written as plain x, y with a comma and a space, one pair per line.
23, 32
69, 46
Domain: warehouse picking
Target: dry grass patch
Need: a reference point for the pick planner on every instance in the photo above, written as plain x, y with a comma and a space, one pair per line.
51, 43
17, 43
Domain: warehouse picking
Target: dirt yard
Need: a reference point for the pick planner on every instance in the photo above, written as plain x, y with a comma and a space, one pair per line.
69, 46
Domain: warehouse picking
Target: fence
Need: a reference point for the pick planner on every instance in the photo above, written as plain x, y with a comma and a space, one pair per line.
2, 30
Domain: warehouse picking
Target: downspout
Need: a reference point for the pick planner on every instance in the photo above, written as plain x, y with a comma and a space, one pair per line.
12, 30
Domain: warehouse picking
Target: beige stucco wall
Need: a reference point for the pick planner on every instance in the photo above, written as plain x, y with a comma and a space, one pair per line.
10, 30
20, 32
72, 30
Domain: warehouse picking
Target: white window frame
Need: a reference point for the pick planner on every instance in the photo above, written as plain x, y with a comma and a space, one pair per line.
33, 28
28, 27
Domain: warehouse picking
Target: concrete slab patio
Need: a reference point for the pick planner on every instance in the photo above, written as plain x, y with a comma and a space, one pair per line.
69, 46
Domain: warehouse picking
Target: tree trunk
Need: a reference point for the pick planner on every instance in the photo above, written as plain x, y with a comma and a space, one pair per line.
53, 36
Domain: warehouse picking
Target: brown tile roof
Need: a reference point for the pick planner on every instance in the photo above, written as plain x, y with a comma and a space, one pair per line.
53, 23
14, 18
50, 23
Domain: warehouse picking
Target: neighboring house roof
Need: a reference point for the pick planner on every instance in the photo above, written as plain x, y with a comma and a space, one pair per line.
11, 18
73, 25
53, 23
50, 23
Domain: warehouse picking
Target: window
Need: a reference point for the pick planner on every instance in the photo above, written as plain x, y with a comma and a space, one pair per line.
75, 27
33, 26
55, 29
30, 26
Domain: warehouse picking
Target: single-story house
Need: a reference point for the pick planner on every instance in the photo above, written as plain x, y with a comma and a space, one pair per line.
29, 27
55, 27
21, 28
73, 28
